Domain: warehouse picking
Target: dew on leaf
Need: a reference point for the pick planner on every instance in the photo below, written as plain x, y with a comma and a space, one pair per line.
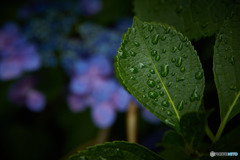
122, 54
187, 44
144, 96
182, 69
144, 25
174, 49
148, 75
146, 36
167, 30
152, 71
151, 83
132, 78
154, 53
164, 70
141, 65
155, 39
179, 62
199, 75
157, 58
169, 113
169, 84
136, 44
164, 50
133, 30
150, 28
194, 96
184, 39
152, 94
163, 109
180, 46
132, 53
173, 60
165, 103
158, 87
133, 69
180, 105
169, 123
163, 37
179, 79
161, 93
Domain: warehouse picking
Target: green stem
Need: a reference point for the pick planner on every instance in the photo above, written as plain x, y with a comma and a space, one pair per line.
209, 133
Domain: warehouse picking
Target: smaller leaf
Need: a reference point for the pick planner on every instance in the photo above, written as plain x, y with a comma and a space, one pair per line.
118, 150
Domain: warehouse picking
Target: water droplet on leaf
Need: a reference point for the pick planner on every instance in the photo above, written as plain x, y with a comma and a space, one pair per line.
199, 75
155, 39
122, 54
136, 44
180, 105
165, 103
157, 58
152, 71
154, 53
164, 70
133, 54
182, 69
152, 94
150, 28
133, 69
194, 96
179, 62
151, 83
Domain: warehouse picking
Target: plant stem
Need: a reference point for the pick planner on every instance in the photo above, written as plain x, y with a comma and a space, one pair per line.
132, 122
209, 133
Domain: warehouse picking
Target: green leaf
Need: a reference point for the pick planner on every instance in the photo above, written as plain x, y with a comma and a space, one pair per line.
116, 151
172, 139
226, 67
193, 127
194, 18
161, 69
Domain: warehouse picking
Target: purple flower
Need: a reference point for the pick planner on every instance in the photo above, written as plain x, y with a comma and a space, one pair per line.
35, 101
76, 103
90, 7
103, 115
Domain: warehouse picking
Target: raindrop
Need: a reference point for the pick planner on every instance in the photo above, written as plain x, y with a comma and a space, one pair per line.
122, 54
180, 105
149, 75
133, 69
157, 58
141, 65
163, 109
187, 44
165, 103
151, 83
136, 44
174, 49
164, 70
133, 30
184, 39
143, 90
146, 36
144, 25
179, 62
152, 71
154, 53
133, 54
132, 78
152, 94
144, 96
150, 28
169, 84
164, 50
182, 69
180, 46
163, 37
158, 87
161, 93
199, 75
169, 113
173, 60
180, 79
232, 60
167, 30
155, 39
194, 96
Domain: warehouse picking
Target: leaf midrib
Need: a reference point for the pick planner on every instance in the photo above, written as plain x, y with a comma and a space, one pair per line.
164, 87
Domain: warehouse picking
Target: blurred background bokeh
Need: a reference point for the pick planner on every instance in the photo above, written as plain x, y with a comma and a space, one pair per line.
58, 91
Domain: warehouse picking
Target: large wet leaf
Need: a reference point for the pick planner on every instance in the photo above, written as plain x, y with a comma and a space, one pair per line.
226, 67
161, 69
116, 151
194, 18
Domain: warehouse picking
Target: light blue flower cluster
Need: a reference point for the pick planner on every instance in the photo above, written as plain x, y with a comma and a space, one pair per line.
16, 54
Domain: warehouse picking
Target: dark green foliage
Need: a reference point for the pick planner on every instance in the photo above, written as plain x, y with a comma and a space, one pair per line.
194, 18
116, 151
